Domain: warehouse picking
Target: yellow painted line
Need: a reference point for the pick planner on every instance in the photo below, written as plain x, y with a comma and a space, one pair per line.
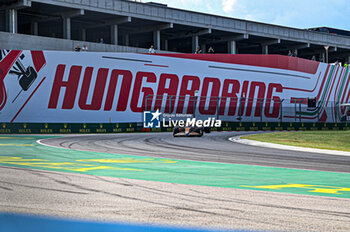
129, 160
69, 166
16, 138
16, 145
16, 159
104, 168
310, 188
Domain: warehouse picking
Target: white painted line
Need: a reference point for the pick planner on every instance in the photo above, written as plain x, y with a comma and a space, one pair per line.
39, 141
47, 145
237, 139
66, 148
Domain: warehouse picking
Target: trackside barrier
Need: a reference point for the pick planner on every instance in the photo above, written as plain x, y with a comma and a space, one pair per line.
87, 128
243, 109
19, 222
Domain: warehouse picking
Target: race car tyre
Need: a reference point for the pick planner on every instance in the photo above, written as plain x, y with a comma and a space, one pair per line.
207, 129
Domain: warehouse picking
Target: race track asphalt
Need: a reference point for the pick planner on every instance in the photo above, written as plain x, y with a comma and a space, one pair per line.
118, 198
212, 147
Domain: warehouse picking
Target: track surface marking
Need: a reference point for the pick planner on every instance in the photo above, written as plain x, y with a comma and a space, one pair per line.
119, 198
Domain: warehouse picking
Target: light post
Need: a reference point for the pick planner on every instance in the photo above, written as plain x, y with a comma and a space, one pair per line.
326, 48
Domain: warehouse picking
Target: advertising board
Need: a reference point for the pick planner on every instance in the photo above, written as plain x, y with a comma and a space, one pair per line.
94, 87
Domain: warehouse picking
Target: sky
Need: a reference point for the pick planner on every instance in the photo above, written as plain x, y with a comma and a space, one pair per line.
291, 13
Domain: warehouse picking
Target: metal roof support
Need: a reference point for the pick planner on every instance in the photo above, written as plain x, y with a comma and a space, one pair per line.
191, 34
300, 46
11, 20
156, 39
115, 27
271, 41
66, 16
333, 49
234, 38
72, 13
195, 43
322, 57
34, 27
164, 26
265, 49
265, 45
121, 20
232, 47
66, 28
114, 34
158, 27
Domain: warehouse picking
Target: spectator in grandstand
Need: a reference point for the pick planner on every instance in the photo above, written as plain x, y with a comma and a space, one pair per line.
198, 50
84, 48
210, 50
295, 53
313, 58
292, 54
101, 41
151, 50
77, 48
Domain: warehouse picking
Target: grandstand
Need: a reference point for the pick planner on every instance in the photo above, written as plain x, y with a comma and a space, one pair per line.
131, 26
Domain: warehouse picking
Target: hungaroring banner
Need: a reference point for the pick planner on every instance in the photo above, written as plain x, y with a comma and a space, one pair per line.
89, 87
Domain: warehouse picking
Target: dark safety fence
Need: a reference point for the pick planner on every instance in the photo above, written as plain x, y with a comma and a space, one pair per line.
81, 128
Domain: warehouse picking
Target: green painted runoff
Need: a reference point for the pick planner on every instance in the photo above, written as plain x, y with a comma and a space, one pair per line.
24, 152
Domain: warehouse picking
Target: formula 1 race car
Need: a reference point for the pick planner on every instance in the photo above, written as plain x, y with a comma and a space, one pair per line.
188, 131
207, 129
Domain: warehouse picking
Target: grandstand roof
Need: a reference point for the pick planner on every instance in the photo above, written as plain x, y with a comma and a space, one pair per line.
138, 24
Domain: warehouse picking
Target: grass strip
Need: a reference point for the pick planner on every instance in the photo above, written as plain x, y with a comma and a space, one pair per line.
332, 140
